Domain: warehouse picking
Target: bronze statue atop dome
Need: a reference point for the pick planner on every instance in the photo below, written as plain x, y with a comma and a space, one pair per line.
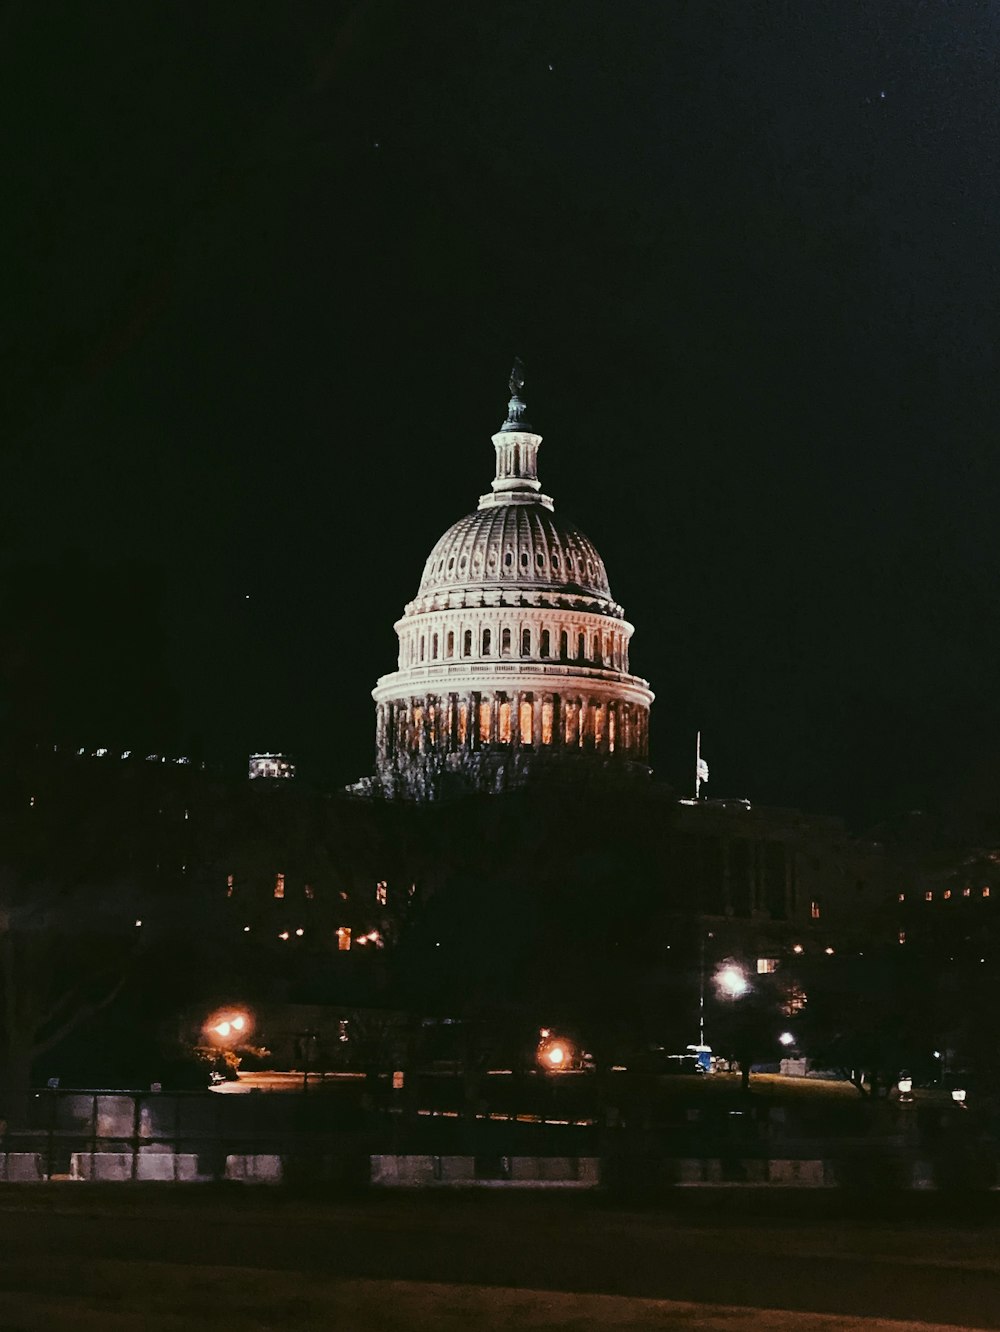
516, 381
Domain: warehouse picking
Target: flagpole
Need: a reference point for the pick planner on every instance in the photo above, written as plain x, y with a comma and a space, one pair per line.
697, 767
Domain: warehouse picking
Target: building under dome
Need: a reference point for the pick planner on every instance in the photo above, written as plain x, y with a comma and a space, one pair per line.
513, 656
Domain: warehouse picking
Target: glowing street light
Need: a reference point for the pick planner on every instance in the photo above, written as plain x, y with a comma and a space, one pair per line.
786, 1038
732, 981
958, 1096
228, 1025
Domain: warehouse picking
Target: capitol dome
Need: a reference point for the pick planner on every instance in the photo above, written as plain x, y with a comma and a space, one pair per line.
515, 544
513, 656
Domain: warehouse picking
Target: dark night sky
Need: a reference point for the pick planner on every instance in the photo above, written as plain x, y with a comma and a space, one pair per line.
267, 267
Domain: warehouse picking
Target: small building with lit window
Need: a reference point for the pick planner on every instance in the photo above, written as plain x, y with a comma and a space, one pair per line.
271, 766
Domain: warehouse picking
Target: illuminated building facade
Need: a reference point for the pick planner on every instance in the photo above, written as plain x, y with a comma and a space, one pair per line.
513, 656
271, 766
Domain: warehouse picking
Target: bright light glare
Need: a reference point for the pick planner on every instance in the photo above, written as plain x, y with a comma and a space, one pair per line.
786, 1038
239, 1023
905, 1086
223, 1029
958, 1096
556, 1055
733, 981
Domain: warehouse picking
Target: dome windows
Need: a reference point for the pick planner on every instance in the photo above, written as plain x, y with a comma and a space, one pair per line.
487, 642
543, 650
505, 642
525, 642
467, 643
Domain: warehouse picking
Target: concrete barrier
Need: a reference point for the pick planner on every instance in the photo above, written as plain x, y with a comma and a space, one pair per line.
583, 1172
254, 1169
515, 1172
22, 1168
800, 1174
116, 1167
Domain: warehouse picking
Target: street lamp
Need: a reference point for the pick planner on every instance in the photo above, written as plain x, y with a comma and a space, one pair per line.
786, 1038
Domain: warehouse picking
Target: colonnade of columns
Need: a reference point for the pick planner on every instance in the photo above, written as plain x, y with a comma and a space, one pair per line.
466, 722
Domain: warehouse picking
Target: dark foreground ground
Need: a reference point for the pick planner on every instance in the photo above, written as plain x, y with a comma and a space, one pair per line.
114, 1258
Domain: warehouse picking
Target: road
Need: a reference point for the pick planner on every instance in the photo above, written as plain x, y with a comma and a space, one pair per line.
948, 1274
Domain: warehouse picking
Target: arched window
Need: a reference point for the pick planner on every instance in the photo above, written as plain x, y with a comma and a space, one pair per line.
539, 559
544, 649
467, 644
525, 642
487, 642
555, 559
581, 646
505, 642
434, 648
564, 645
508, 559
450, 643
525, 559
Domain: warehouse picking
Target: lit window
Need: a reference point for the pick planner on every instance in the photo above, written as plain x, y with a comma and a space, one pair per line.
503, 722
381, 892
279, 885
966, 892
526, 721
766, 965
928, 896
230, 885
342, 1030
31, 802
946, 894
484, 723
902, 897
796, 948
902, 936
309, 892
547, 721
463, 722
344, 939
986, 892
814, 910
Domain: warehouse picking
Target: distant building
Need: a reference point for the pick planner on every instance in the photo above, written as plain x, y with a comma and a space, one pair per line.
514, 656
271, 765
